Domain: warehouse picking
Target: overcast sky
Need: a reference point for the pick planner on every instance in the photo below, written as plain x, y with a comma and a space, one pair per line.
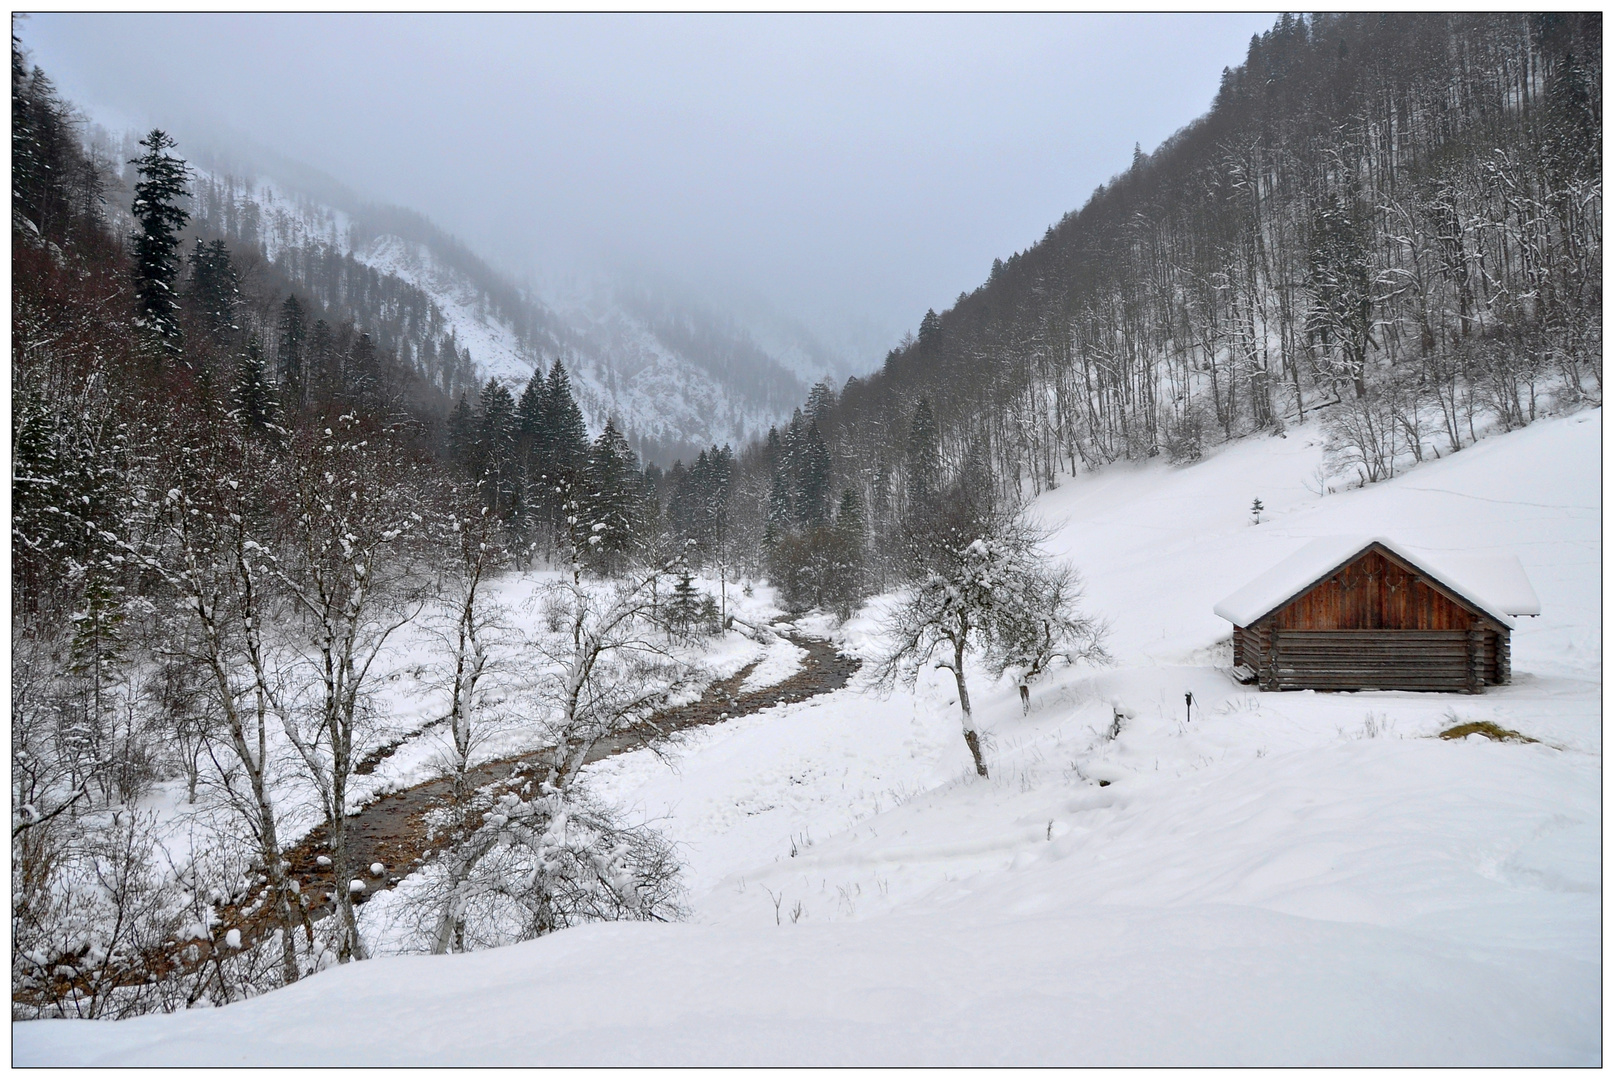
844, 167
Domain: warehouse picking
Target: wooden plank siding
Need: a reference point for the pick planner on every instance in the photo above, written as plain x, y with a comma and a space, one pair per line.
1375, 623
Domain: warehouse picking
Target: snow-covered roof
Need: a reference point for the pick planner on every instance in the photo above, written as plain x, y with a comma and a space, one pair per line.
1495, 584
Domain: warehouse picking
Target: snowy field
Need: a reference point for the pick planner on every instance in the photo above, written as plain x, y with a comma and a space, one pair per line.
1286, 879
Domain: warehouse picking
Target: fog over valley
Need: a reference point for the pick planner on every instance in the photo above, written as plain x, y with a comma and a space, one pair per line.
842, 172
831, 540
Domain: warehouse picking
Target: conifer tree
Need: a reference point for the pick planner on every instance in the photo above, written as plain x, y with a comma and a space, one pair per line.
844, 584
924, 455
529, 422
157, 210
820, 400
779, 512
253, 396
322, 362
530, 409
682, 610
462, 436
613, 497
561, 448
567, 434
812, 468
289, 352
364, 380
215, 289
495, 448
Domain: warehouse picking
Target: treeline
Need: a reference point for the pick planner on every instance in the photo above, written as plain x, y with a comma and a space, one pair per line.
1392, 220
402, 318
227, 496
310, 249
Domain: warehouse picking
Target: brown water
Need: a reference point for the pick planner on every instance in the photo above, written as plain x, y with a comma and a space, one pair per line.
392, 830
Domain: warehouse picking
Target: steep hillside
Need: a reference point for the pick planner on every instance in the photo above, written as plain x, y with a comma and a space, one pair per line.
1283, 879
1394, 220
676, 374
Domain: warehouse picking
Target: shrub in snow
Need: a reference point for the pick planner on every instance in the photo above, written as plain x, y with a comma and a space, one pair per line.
1184, 434
377, 869
541, 863
1120, 713
96, 907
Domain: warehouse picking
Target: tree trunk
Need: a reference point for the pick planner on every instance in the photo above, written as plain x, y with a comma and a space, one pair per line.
970, 736
351, 947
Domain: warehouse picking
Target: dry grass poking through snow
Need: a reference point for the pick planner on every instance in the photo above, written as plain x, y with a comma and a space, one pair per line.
1494, 732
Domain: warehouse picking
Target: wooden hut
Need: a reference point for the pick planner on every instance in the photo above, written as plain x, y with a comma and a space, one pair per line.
1358, 613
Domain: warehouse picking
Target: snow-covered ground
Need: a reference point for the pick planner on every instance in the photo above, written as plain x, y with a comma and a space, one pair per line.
1285, 879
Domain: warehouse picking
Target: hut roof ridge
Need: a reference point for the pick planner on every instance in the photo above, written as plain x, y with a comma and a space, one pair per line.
1494, 583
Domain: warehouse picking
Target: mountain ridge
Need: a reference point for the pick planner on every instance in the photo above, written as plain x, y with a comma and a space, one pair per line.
675, 373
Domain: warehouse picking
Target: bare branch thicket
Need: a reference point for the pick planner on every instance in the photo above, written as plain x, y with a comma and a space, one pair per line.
350, 563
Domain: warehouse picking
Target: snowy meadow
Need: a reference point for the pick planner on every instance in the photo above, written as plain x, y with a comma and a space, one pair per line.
1271, 879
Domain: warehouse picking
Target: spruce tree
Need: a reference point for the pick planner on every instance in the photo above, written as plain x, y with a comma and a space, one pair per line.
289, 352
848, 547
779, 511
530, 409
714, 506
253, 396
613, 497
322, 362
561, 448
529, 422
495, 453
820, 400
462, 436
157, 210
812, 468
924, 455
683, 608
568, 434
365, 386
215, 289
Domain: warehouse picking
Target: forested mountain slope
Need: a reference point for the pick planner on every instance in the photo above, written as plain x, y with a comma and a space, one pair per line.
676, 375
1394, 218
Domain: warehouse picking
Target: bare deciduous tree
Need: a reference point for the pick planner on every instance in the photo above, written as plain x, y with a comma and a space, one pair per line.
987, 588
346, 565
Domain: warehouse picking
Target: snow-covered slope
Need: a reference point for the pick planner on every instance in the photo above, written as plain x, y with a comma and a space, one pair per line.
672, 392
1289, 879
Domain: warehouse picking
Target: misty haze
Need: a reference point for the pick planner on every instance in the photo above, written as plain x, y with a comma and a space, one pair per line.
815, 539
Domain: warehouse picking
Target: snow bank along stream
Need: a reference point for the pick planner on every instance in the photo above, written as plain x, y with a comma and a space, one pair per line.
1287, 879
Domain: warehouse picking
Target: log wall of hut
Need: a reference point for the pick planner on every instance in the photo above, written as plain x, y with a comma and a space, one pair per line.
1376, 623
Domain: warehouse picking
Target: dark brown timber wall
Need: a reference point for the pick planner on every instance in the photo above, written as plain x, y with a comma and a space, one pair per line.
1376, 623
